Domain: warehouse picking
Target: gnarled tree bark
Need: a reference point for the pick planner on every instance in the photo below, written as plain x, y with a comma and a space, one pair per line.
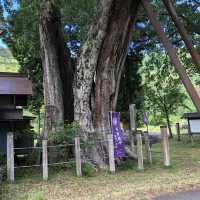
111, 60
57, 70
99, 70
85, 71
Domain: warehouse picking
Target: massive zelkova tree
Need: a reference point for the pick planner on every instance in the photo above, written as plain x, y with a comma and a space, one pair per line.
100, 66
111, 60
56, 66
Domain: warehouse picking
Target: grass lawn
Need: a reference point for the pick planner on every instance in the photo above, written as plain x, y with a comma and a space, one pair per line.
124, 185
7, 61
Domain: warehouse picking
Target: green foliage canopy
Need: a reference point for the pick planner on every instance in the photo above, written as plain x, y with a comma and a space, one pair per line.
163, 91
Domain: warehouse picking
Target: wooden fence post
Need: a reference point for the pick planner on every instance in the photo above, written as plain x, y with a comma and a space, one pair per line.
111, 153
139, 151
148, 147
45, 159
10, 157
178, 131
133, 147
165, 145
132, 111
78, 156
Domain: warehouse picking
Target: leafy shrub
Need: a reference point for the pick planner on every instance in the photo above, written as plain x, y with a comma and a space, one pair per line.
66, 135
63, 137
88, 169
126, 164
71, 168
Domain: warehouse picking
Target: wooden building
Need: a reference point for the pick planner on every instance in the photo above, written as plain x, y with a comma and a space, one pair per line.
14, 92
193, 120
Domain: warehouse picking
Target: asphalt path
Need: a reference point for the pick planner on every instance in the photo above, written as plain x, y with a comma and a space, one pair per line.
189, 195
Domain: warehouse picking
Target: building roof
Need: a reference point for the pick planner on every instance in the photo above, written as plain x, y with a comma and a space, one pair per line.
15, 84
24, 119
194, 115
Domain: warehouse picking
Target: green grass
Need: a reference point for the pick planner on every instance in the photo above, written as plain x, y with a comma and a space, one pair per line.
7, 62
35, 196
9, 68
127, 183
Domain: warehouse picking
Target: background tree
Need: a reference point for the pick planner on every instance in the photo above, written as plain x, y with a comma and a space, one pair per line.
104, 48
20, 23
21, 34
130, 90
57, 70
163, 92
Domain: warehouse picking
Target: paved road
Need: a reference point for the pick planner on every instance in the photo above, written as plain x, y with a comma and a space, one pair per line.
190, 195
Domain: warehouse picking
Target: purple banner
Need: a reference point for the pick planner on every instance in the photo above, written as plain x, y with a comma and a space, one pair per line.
145, 118
118, 137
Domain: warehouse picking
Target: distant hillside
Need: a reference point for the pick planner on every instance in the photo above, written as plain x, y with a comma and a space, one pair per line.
7, 62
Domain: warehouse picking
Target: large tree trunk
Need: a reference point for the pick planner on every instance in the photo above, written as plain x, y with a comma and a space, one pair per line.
111, 60
66, 74
84, 78
99, 70
54, 65
86, 69
168, 121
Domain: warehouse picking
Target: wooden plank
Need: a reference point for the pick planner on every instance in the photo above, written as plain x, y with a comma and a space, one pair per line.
78, 156
15, 86
148, 147
178, 132
45, 159
140, 151
10, 157
6, 104
165, 145
132, 111
8, 114
132, 143
7, 100
111, 153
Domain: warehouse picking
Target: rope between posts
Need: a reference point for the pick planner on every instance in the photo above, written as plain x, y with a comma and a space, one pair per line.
61, 163
57, 146
24, 148
156, 151
23, 166
50, 164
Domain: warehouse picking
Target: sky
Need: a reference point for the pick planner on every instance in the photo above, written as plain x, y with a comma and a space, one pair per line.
2, 45
15, 6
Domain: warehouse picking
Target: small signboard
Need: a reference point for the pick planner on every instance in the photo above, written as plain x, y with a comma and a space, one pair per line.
118, 136
194, 125
193, 122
